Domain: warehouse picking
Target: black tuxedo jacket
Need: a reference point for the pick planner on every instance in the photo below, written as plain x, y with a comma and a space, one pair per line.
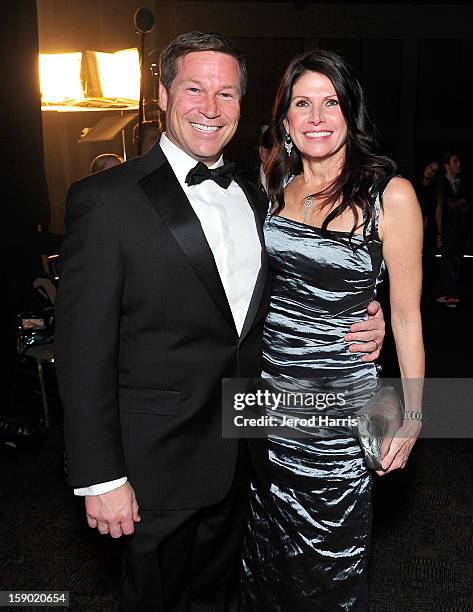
144, 336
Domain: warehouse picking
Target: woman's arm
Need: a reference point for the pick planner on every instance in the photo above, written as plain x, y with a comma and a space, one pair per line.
401, 233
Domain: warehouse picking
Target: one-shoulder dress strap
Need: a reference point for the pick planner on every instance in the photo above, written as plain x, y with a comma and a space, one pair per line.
370, 230
377, 208
377, 212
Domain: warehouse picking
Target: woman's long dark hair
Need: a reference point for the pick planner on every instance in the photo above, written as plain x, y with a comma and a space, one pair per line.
365, 172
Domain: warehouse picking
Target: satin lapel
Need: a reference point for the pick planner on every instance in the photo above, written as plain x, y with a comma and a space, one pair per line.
260, 215
171, 203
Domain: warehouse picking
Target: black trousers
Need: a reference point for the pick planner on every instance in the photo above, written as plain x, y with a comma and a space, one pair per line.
188, 560
454, 240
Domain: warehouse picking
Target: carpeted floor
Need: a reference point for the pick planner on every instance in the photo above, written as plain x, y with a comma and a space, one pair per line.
45, 543
422, 551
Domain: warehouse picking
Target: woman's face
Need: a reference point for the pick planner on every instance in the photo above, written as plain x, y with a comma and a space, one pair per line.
314, 120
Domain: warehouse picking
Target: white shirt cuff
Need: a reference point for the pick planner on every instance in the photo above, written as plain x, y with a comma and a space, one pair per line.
103, 487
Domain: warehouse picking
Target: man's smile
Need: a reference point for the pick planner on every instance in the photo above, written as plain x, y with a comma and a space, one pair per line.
208, 129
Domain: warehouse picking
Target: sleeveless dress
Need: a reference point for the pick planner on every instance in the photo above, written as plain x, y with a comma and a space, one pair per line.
307, 538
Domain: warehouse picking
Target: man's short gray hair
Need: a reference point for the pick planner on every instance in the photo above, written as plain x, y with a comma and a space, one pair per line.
198, 41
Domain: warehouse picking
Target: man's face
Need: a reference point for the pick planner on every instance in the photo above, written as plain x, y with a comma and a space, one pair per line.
202, 105
454, 165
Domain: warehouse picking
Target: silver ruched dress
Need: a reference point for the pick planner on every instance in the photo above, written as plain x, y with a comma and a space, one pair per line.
307, 538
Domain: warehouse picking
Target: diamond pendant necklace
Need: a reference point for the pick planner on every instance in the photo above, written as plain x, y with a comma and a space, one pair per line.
307, 207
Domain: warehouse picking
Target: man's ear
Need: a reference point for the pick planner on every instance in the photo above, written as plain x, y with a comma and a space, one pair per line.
163, 97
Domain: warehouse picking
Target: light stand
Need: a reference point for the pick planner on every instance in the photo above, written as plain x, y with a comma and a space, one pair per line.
144, 23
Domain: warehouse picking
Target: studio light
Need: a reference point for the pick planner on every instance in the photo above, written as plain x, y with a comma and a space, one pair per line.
59, 77
119, 74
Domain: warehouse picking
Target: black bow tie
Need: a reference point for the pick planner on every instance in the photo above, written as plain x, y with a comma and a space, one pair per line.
223, 175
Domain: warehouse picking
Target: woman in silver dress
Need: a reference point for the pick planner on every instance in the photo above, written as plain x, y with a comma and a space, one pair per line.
339, 216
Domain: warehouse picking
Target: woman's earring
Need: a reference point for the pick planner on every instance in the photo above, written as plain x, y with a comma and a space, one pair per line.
288, 144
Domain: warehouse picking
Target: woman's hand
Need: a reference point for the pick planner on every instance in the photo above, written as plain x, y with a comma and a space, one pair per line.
400, 447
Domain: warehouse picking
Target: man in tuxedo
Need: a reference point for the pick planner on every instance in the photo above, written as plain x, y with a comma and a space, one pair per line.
163, 293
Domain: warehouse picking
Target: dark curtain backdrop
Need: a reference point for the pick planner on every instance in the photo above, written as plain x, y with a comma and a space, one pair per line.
21, 134
24, 191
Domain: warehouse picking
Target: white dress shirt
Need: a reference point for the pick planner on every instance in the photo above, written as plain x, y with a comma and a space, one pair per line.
229, 225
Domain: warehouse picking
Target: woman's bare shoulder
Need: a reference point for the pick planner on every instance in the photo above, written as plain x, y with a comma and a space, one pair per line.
399, 192
400, 207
